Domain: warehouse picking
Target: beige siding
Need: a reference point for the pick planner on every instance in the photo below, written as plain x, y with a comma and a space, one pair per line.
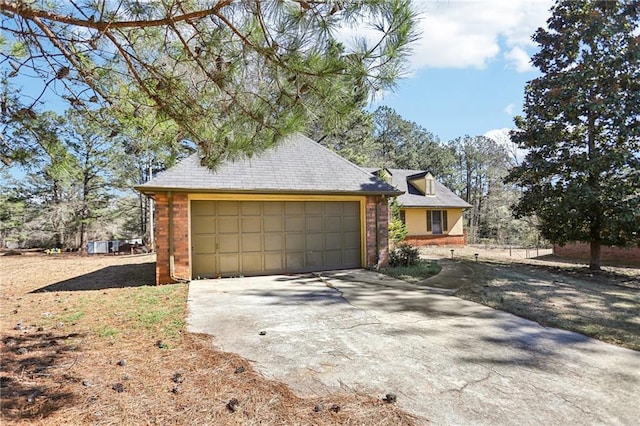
455, 221
416, 221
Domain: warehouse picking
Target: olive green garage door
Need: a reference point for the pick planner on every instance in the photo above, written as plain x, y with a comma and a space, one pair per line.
269, 237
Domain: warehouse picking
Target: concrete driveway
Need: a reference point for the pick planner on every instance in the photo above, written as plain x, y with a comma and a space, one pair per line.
450, 361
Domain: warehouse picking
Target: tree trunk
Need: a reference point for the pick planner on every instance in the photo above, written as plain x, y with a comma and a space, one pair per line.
594, 262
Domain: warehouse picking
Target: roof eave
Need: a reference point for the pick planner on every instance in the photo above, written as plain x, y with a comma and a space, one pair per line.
152, 190
416, 206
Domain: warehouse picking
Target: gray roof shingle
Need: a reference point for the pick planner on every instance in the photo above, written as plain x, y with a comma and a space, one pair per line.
443, 197
295, 165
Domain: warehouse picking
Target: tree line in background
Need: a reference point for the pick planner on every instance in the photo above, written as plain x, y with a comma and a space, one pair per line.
75, 180
474, 167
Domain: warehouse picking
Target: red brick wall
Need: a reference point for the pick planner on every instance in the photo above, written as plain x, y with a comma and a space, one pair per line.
162, 238
179, 205
377, 231
182, 267
611, 254
436, 240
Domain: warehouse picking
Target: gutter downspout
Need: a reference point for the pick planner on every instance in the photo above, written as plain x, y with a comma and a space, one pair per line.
172, 244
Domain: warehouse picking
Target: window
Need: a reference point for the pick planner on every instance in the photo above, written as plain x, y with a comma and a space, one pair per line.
430, 186
403, 217
437, 221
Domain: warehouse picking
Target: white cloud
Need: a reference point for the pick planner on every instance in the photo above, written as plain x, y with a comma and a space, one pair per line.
462, 34
519, 59
502, 137
509, 109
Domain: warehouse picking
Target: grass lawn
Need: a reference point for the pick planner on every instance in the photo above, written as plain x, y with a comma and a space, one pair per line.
422, 270
89, 340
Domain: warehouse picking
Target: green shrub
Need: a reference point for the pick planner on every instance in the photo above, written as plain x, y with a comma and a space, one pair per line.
397, 229
403, 255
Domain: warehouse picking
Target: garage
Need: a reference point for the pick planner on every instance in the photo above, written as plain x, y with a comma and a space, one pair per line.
295, 207
231, 238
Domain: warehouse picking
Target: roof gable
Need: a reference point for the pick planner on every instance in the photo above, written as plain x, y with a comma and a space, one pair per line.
295, 165
413, 184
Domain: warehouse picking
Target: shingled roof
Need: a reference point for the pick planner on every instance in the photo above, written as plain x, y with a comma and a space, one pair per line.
295, 165
412, 197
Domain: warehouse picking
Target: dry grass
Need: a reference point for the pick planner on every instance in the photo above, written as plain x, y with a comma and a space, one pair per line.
86, 340
556, 293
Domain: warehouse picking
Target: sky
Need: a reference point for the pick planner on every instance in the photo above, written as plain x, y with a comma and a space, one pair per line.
468, 70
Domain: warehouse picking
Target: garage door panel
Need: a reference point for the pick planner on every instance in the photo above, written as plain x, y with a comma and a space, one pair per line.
273, 224
227, 208
204, 224
294, 208
273, 208
333, 258
229, 263
273, 262
332, 240
351, 222
251, 224
351, 240
206, 243
229, 243
294, 242
273, 242
314, 259
251, 243
313, 224
294, 261
203, 208
251, 208
294, 224
260, 237
351, 258
228, 225
313, 208
204, 265
333, 208
351, 209
314, 242
333, 224
251, 262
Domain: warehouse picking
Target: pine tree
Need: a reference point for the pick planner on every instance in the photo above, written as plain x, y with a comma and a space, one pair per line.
234, 76
581, 127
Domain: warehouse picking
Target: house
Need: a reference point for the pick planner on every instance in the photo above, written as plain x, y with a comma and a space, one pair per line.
297, 207
431, 212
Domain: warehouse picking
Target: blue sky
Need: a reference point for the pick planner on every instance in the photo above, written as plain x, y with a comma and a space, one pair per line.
469, 69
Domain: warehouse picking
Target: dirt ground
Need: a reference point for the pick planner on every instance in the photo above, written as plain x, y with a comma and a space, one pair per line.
89, 340
554, 292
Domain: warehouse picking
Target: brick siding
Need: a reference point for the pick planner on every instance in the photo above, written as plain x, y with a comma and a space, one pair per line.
610, 254
436, 240
377, 231
180, 229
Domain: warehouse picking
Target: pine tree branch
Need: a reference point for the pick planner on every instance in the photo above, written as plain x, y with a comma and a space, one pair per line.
68, 55
27, 12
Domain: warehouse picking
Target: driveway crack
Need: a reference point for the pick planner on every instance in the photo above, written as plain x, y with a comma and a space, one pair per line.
364, 324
